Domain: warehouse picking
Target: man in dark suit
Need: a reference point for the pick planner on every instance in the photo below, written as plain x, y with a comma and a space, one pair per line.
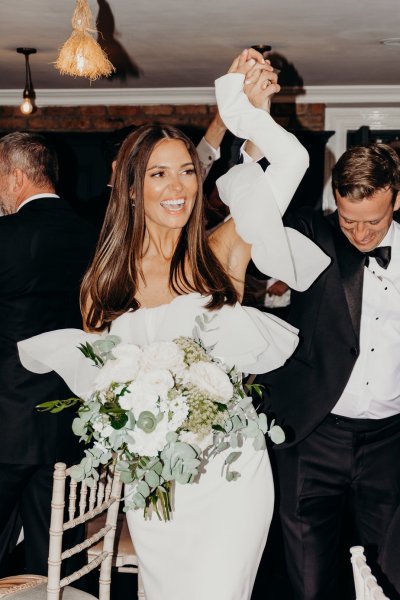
44, 251
338, 396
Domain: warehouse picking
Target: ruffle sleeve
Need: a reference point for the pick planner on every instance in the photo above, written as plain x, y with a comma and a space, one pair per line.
258, 199
58, 351
243, 337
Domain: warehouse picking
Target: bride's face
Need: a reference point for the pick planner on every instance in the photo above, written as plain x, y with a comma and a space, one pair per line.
170, 185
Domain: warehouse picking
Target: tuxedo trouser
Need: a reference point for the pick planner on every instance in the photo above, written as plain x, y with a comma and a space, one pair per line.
28, 490
389, 556
343, 462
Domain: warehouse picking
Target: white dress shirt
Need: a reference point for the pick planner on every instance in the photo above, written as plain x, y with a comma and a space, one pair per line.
36, 197
373, 390
207, 156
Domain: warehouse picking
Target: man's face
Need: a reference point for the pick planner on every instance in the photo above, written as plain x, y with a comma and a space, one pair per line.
365, 222
7, 196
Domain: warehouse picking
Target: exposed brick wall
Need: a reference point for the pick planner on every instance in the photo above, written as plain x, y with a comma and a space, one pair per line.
108, 118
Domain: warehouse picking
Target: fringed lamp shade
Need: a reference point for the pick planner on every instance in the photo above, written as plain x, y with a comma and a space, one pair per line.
81, 55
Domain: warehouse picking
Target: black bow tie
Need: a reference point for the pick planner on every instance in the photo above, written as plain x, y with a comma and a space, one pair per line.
382, 255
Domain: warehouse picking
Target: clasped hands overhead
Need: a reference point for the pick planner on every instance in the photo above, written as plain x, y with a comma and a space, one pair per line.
261, 82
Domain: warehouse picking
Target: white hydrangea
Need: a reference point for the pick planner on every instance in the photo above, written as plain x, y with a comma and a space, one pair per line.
102, 426
177, 409
149, 444
140, 396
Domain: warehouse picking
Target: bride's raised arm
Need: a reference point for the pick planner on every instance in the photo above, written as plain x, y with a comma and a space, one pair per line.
258, 199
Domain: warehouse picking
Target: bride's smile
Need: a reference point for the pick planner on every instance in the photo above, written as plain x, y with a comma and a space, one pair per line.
170, 185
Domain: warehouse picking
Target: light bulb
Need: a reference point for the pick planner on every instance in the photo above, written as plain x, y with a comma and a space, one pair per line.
80, 61
26, 107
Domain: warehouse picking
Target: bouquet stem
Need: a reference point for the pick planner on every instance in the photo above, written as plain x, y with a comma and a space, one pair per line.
160, 500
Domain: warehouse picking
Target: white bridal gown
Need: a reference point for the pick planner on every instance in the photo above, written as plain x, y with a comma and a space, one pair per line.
211, 548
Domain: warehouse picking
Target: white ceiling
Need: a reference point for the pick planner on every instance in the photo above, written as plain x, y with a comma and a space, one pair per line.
188, 43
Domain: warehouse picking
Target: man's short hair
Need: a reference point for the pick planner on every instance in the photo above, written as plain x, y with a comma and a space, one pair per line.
363, 170
33, 154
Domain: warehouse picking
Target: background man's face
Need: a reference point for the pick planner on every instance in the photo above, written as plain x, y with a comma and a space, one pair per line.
365, 222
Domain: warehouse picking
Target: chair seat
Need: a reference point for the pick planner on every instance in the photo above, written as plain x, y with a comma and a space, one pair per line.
8, 585
39, 592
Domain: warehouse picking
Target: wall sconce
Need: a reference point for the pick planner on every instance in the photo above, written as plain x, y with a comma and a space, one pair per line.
28, 105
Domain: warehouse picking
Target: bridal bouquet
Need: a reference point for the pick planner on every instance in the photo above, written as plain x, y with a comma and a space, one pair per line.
157, 411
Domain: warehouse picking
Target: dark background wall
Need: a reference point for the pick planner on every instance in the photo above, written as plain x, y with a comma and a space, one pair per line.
80, 134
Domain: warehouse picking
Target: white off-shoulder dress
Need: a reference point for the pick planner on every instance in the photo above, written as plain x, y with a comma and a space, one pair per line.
212, 547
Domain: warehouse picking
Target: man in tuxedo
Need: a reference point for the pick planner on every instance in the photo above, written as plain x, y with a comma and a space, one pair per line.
338, 396
44, 251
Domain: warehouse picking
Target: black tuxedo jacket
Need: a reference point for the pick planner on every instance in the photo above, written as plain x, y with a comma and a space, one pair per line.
44, 251
328, 314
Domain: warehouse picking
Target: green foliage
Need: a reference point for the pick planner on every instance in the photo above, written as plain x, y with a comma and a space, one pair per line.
56, 406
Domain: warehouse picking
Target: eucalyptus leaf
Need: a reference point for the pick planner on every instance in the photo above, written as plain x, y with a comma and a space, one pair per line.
126, 476
78, 472
232, 457
79, 427
232, 475
233, 441
263, 423
152, 478
221, 447
171, 437
138, 501
143, 488
277, 434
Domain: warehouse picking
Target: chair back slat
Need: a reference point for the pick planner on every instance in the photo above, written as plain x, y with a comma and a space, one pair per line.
108, 488
365, 583
88, 515
104, 496
93, 564
93, 496
72, 498
83, 498
93, 539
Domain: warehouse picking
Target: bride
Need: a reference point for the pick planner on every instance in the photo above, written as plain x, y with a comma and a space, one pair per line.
154, 272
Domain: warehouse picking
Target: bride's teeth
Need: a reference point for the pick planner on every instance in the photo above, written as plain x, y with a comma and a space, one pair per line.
174, 204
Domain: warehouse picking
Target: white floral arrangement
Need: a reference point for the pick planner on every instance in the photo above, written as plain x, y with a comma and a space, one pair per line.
157, 411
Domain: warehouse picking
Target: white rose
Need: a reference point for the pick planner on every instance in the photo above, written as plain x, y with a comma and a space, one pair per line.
128, 351
160, 379
122, 369
162, 355
209, 378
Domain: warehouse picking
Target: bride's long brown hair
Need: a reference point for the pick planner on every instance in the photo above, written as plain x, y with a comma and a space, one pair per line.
110, 284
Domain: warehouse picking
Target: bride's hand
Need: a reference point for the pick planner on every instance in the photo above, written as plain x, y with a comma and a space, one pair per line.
247, 61
260, 86
261, 83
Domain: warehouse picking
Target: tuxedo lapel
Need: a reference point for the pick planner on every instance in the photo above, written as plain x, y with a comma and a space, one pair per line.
351, 267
